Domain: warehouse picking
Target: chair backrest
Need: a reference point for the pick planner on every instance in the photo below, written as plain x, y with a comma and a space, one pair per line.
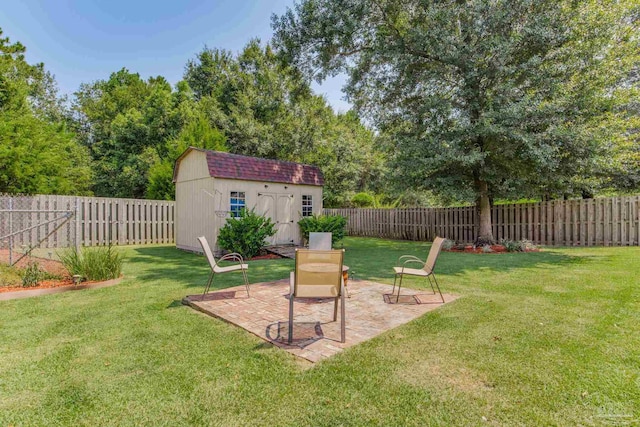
318, 273
320, 241
433, 254
207, 251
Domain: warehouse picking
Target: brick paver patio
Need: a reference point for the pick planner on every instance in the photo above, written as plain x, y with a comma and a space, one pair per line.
265, 314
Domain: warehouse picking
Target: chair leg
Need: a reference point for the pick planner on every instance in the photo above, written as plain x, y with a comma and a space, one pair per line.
395, 279
399, 288
432, 288
246, 281
439, 291
335, 309
342, 325
206, 289
290, 338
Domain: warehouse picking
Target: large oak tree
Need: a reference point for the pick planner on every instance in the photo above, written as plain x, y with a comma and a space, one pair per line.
486, 98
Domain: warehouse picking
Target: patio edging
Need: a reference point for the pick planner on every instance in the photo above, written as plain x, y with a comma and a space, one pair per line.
7, 296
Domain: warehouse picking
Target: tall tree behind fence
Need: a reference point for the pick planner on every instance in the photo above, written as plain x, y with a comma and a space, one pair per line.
603, 221
64, 221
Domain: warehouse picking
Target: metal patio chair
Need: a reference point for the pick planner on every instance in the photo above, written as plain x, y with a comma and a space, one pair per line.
426, 270
318, 274
320, 241
216, 269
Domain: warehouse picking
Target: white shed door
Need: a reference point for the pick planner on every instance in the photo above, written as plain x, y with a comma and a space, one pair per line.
284, 219
267, 208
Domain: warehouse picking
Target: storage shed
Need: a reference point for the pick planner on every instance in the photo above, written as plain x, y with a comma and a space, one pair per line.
212, 186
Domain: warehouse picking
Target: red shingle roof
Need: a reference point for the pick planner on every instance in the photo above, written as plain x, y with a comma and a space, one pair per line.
235, 166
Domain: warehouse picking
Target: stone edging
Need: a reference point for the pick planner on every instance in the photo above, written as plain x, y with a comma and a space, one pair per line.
5, 296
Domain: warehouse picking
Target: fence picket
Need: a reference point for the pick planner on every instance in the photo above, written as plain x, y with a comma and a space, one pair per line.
602, 221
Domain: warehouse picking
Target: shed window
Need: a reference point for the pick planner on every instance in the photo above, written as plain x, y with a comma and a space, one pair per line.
307, 205
237, 203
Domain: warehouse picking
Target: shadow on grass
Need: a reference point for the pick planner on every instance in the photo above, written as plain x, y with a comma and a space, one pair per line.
162, 263
370, 258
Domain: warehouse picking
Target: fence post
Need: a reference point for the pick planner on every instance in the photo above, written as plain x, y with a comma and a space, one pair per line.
76, 240
10, 230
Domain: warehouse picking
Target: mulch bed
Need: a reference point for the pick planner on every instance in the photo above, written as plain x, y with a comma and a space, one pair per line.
51, 266
495, 249
265, 256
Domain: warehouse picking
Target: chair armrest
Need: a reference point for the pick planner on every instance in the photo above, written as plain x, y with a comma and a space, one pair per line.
232, 257
410, 258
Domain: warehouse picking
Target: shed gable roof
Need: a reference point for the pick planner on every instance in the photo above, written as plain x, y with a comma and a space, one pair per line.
235, 166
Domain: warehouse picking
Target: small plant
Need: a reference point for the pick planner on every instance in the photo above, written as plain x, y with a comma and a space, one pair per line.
511, 245
527, 245
246, 234
336, 225
448, 244
487, 249
32, 275
102, 263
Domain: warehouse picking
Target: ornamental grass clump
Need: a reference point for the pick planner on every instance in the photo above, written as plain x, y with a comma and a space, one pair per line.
95, 264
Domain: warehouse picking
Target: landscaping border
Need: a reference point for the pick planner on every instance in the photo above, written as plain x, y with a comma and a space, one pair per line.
6, 296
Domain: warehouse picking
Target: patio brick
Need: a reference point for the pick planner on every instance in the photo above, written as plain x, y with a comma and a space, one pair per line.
369, 312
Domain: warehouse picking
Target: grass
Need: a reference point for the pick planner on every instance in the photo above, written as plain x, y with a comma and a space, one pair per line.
549, 338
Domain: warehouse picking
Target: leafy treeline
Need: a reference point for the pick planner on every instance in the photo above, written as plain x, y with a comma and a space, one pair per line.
472, 101
250, 104
120, 137
38, 151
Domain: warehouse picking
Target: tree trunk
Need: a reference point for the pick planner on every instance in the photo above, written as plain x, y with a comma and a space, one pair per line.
483, 205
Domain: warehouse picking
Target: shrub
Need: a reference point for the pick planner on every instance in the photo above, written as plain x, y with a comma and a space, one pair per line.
363, 200
102, 263
246, 234
517, 246
527, 245
336, 225
31, 275
487, 249
511, 245
448, 244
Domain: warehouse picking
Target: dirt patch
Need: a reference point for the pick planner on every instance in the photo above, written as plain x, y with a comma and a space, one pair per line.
52, 267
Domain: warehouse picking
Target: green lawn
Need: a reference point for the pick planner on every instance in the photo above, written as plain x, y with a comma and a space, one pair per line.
549, 338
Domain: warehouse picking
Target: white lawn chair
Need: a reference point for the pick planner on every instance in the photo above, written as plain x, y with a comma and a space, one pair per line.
216, 269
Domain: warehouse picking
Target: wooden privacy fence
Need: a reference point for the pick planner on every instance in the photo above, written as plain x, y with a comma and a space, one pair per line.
63, 221
603, 221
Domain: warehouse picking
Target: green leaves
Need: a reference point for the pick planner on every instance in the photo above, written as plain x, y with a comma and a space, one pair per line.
247, 234
336, 225
516, 94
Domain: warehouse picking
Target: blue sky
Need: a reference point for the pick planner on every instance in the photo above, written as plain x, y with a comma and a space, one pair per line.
82, 41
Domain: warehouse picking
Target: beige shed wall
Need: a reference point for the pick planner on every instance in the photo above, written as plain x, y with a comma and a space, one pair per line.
194, 202
193, 166
199, 197
252, 189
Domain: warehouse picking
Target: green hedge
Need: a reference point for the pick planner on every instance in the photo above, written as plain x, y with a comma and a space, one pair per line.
246, 234
336, 225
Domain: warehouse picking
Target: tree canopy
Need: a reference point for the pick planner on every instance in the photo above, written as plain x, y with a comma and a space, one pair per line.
481, 99
38, 153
